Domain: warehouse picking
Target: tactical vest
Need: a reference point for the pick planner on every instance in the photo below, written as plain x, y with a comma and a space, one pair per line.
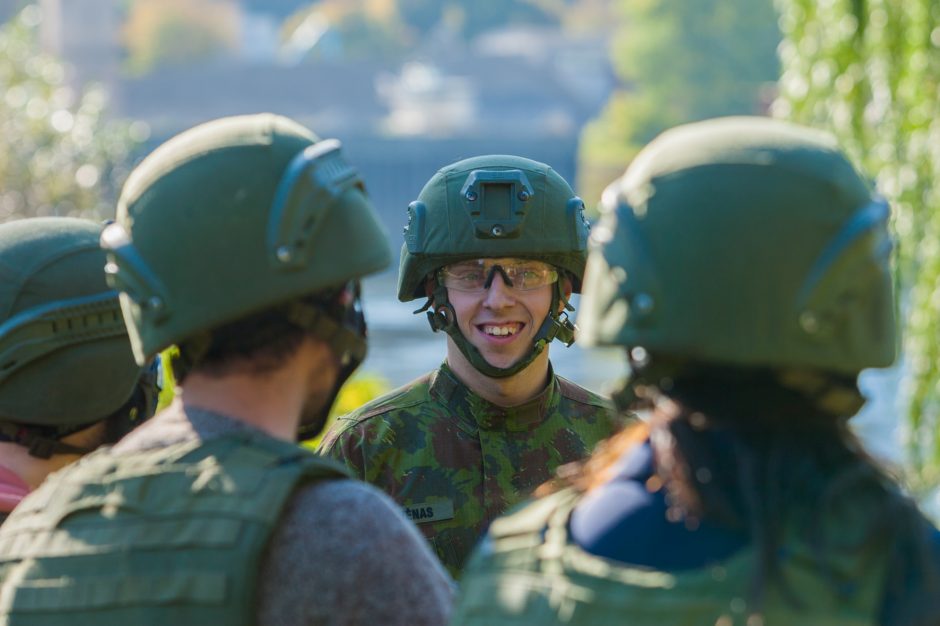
528, 572
173, 536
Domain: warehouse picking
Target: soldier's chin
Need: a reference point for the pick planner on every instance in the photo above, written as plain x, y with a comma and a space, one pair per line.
503, 361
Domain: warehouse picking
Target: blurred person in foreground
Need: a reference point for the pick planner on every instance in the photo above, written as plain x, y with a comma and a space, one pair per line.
68, 379
744, 266
242, 242
496, 244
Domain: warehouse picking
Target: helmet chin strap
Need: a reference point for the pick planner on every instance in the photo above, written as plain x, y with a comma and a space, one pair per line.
555, 326
348, 344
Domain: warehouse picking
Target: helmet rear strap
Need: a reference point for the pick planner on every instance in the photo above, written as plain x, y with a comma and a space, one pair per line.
42, 442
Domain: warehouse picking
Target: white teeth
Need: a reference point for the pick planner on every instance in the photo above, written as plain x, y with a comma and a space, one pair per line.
500, 331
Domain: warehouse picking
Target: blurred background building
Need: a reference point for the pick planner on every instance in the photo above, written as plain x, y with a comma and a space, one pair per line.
404, 97
407, 85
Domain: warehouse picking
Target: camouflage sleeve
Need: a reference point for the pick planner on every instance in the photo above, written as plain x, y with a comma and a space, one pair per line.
343, 443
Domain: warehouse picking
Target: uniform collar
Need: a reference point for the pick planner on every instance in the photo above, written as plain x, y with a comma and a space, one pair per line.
474, 413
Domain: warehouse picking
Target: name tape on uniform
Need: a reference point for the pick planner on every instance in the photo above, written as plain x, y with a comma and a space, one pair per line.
429, 511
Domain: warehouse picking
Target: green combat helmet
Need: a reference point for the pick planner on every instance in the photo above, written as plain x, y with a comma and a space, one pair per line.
65, 360
236, 216
745, 242
494, 206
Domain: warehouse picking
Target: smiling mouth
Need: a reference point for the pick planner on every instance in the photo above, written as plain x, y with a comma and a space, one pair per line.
500, 330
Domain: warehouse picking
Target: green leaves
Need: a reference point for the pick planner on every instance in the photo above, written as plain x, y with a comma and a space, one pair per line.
58, 153
680, 61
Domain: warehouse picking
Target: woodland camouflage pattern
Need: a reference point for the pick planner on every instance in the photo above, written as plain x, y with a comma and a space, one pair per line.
454, 461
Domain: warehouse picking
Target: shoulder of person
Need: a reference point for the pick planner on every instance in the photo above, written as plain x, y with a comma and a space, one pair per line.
346, 539
346, 498
354, 517
577, 393
408, 395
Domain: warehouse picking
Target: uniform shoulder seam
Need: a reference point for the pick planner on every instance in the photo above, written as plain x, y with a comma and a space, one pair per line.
576, 392
395, 399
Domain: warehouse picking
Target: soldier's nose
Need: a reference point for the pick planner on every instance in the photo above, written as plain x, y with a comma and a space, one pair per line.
499, 294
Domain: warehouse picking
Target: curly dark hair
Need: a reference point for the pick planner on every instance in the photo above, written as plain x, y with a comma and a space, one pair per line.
254, 344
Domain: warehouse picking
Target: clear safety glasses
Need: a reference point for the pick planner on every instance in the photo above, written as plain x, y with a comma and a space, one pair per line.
477, 275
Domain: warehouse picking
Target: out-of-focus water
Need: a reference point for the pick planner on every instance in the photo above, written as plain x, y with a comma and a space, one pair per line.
402, 347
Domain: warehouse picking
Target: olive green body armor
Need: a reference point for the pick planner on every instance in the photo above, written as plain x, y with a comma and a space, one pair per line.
528, 572
193, 522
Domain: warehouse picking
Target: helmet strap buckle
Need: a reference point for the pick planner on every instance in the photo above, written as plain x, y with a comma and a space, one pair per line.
443, 317
42, 447
562, 329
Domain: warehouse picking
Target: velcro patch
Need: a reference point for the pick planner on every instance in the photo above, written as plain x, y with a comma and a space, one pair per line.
429, 511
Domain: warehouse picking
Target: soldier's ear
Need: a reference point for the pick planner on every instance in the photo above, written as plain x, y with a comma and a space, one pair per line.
429, 285
566, 290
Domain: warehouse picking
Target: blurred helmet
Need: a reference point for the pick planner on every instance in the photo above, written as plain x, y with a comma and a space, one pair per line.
233, 217
494, 206
747, 242
65, 359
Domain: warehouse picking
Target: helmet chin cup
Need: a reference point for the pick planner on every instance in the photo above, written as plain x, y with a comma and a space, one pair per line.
442, 317
562, 328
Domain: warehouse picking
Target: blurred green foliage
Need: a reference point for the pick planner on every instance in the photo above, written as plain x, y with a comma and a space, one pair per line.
361, 388
869, 70
681, 61
168, 380
389, 28
347, 29
177, 32
472, 17
364, 37
59, 155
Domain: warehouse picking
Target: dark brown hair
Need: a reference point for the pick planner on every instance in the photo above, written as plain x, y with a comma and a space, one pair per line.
742, 450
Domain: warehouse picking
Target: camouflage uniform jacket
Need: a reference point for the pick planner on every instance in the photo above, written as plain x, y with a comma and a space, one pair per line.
455, 461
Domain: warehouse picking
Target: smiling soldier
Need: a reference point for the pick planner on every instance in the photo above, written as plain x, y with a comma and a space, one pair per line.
497, 245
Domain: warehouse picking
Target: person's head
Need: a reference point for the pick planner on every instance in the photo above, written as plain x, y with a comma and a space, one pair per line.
744, 244
240, 240
744, 265
497, 244
68, 380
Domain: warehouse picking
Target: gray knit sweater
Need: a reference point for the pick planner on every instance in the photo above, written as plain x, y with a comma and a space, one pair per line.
343, 553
